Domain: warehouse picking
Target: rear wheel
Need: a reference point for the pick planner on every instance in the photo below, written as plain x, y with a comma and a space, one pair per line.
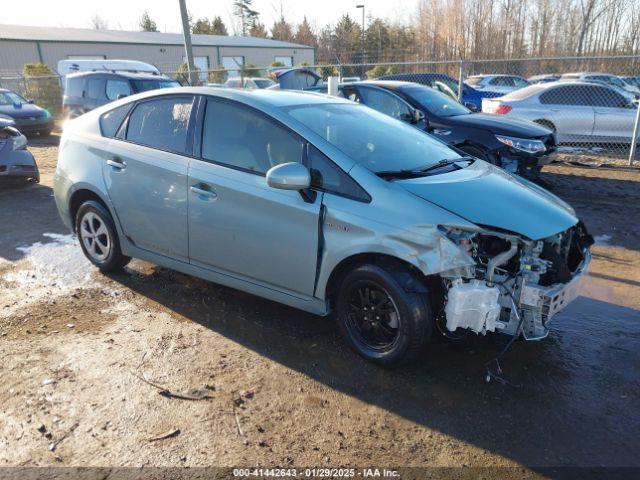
546, 123
98, 237
381, 321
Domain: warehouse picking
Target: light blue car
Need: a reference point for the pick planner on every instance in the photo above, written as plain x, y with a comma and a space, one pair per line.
324, 205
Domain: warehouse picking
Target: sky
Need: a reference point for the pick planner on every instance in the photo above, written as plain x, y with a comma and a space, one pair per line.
125, 14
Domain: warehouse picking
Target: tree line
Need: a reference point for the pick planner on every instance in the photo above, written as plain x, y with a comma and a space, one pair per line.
452, 30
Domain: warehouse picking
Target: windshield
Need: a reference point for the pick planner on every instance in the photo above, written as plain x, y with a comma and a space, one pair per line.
9, 98
372, 139
144, 85
435, 102
263, 82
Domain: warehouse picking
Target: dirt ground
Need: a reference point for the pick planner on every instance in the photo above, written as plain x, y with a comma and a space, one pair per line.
90, 363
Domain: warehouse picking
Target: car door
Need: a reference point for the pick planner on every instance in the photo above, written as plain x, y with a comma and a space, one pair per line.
384, 102
145, 171
615, 115
570, 108
238, 225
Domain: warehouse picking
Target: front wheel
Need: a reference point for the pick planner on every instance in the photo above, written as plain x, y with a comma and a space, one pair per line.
98, 237
381, 321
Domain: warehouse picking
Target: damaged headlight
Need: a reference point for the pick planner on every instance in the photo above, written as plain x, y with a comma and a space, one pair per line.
19, 142
523, 144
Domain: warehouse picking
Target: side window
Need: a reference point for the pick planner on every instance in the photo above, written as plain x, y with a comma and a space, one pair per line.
606, 97
385, 102
95, 88
520, 82
73, 87
161, 123
327, 176
117, 87
240, 137
566, 95
502, 82
110, 122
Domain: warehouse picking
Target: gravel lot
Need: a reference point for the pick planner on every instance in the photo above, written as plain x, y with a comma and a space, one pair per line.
90, 363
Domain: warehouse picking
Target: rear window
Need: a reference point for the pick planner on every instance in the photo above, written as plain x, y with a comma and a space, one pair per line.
145, 85
524, 92
73, 87
110, 122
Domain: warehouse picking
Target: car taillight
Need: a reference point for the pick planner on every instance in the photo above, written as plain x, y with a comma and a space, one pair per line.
502, 109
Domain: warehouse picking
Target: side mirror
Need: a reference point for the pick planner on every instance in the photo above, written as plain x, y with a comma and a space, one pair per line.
121, 95
289, 176
418, 116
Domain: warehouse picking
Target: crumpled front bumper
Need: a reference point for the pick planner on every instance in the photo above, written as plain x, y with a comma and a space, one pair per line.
18, 164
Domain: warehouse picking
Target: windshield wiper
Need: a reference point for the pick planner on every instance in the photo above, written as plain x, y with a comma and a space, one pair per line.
422, 172
445, 162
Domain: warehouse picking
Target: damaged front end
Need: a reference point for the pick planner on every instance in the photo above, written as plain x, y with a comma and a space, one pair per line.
518, 285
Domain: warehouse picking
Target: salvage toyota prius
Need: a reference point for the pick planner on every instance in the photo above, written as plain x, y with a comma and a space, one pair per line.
324, 205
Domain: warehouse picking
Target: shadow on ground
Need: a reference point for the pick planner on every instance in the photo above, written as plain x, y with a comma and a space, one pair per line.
567, 401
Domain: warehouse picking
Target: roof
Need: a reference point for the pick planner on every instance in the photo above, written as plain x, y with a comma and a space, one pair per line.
121, 73
57, 34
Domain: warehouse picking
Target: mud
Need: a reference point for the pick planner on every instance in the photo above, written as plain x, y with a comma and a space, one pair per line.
77, 347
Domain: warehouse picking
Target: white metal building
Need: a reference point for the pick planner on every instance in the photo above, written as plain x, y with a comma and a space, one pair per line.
22, 44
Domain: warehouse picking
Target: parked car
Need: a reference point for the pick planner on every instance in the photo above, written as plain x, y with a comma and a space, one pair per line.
518, 146
576, 111
604, 78
85, 91
28, 117
249, 82
544, 78
497, 83
634, 81
322, 204
16, 162
471, 97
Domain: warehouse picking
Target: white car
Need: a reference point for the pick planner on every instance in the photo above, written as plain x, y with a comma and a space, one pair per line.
604, 78
575, 111
497, 83
249, 82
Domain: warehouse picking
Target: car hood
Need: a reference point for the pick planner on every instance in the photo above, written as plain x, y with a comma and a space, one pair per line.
500, 124
489, 196
24, 110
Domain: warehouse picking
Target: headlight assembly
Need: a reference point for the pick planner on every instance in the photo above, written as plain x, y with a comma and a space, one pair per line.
523, 144
19, 142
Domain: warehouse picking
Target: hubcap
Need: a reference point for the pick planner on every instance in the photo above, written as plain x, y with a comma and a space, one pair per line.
95, 237
373, 316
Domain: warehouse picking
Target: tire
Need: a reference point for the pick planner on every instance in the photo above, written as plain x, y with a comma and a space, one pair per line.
403, 320
99, 238
45, 133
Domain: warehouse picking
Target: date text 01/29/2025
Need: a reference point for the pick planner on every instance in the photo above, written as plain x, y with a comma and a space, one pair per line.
315, 472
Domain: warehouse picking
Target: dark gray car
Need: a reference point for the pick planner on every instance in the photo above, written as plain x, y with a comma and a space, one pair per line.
88, 90
16, 162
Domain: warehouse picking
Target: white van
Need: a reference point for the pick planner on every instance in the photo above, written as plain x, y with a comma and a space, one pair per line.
68, 66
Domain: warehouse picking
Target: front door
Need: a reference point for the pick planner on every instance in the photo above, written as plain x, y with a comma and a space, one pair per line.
146, 175
237, 224
615, 116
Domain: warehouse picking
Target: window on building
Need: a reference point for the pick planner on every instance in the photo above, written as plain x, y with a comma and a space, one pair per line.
233, 65
286, 61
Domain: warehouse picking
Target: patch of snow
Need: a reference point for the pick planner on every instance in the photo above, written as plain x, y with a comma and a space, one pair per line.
47, 270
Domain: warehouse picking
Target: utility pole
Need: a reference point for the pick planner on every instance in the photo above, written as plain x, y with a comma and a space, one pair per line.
186, 31
362, 41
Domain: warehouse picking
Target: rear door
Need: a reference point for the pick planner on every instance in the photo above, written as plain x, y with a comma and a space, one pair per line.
570, 108
615, 115
238, 225
145, 171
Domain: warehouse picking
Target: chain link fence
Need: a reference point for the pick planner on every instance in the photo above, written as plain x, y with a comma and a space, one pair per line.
590, 102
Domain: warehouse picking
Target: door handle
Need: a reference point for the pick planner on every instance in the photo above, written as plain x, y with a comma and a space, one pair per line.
116, 163
198, 190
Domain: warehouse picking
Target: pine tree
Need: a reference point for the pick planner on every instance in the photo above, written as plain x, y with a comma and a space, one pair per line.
147, 24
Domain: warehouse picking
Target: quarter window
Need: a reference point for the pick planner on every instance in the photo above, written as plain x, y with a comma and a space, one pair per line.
161, 123
110, 122
327, 176
117, 87
239, 137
